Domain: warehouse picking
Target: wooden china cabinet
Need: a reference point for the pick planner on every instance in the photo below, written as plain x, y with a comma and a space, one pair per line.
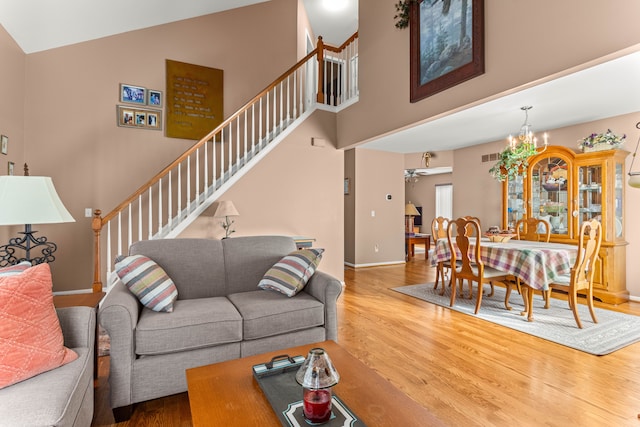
566, 188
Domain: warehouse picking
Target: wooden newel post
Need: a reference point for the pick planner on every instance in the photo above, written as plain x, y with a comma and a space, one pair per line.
320, 47
96, 225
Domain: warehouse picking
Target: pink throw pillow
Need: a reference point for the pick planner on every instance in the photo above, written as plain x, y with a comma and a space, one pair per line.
30, 334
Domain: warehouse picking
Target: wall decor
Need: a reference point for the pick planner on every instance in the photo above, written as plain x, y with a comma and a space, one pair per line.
10, 167
133, 94
194, 100
154, 98
141, 118
447, 45
4, 144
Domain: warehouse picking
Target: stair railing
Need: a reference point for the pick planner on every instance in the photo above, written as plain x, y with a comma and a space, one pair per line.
186, 187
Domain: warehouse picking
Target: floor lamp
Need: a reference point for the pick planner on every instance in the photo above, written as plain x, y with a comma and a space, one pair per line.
29, 200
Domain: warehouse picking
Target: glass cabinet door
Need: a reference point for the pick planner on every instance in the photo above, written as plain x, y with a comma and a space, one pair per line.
550, 199
515, 201
589, 193
618, 189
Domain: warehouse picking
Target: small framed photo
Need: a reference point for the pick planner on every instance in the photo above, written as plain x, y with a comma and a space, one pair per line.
140, 118
4, 144
154, 98
153, 120
133, 94
10, 167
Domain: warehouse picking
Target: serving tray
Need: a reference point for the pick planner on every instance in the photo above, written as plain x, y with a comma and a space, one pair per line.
277, 379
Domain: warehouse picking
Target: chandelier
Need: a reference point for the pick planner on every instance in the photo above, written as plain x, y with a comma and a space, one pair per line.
526, 143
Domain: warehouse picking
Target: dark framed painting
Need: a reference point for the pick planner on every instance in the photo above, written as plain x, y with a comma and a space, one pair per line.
447, 44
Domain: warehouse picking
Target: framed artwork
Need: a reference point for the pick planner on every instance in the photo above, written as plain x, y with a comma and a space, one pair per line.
10, 167
133, 94
4, 144
154, 98
447, 45
141, 118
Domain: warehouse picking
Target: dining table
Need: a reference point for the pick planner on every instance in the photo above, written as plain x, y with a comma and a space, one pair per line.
536, 264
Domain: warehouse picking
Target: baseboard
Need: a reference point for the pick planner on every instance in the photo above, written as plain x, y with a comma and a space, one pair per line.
374, 264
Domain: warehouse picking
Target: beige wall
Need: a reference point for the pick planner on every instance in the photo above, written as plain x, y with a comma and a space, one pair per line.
12, 87
378, 239
296, 191
557, 36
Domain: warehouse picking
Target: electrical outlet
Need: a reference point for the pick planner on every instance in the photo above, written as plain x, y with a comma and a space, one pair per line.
88, 212
376, 248
373, 214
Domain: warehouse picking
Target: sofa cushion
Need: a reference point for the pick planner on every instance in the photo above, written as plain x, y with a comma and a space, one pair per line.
14, 269
147, 281
30, 335
194, 323
270, 313
289, 275
246, 259
196, 266
53, 398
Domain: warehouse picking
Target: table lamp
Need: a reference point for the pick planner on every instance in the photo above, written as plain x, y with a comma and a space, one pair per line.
224, 210
410, 211
29, 200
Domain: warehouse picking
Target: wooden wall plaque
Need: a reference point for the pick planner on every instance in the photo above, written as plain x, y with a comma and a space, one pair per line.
194, 100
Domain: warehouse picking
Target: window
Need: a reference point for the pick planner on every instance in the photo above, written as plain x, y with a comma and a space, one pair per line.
444, 200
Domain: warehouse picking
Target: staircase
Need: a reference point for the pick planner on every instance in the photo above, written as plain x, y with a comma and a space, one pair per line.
326, 78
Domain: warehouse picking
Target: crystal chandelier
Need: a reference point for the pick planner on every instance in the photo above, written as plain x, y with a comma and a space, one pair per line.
526, 143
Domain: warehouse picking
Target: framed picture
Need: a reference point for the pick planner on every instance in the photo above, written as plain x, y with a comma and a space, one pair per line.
4, 144
347, 186
153, 120
141, 118
133, 94
447, 45
154, 98
10, 167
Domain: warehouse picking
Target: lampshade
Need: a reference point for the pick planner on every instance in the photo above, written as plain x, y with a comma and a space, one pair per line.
225, 208
634, 179
410, 209
30, 200
317, 371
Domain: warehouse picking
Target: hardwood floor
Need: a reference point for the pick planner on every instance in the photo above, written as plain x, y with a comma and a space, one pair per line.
465, 370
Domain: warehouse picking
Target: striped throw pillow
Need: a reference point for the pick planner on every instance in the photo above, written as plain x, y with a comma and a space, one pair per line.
15, 269
147, 281
289, 275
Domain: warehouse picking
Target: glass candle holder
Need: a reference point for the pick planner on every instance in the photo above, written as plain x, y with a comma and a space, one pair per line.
317, 405
316, 376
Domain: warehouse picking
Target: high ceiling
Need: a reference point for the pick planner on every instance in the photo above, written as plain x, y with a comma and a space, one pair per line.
605, 90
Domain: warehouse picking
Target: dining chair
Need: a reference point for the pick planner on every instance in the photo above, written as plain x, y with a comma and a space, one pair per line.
466, 234
439, 231
581, 275
529, 229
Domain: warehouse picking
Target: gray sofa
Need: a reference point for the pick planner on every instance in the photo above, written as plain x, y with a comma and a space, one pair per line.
61, 396
220, 314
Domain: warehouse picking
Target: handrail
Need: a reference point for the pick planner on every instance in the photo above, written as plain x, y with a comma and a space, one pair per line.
245, 116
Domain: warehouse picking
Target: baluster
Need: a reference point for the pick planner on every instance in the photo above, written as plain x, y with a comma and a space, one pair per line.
260, 126
275, 114
160, 205
214, 149
206, 168
196, 198
129, 227
188, 159
288, 118
140, 217
266, 119
119, 248
170, 201
180, 189
222, 156
150, 226
230, 150
109, 257
238, 141
253, 129
281, 105
246, 138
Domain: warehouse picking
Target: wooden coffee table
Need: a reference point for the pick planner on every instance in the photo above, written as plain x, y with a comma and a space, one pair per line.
226, 394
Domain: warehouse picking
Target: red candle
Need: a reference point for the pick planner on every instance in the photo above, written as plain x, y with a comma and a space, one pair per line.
317, 405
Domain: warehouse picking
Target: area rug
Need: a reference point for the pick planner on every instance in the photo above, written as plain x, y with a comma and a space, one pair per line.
613, 331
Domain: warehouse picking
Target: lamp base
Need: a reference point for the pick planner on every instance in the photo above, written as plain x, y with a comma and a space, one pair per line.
26, 244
